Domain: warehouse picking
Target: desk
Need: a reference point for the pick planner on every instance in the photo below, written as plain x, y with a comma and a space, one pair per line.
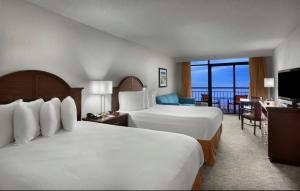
268, 104
283, 133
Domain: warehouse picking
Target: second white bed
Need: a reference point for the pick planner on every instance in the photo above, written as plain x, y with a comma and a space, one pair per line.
199, 122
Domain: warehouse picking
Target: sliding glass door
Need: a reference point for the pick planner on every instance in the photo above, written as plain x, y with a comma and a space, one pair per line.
222, 85
218, 82
242, 79
199, 82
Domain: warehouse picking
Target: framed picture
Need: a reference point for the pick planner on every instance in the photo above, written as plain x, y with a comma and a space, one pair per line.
162, 77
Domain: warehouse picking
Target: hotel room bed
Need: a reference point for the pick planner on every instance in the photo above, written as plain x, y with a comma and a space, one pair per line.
199, 122
93, 156
100, 156
202, 123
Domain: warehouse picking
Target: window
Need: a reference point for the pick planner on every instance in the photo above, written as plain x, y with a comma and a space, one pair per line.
221, 80
199, 75
230, 60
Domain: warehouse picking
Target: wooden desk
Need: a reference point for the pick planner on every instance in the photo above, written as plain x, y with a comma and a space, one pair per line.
283, 133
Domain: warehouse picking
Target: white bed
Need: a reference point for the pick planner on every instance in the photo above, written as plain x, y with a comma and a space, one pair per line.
199, 122
99, 156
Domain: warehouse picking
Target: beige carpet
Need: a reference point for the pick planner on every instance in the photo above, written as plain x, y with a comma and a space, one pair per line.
243, 164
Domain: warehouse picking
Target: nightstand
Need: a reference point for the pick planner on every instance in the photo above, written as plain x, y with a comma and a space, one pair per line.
120, 119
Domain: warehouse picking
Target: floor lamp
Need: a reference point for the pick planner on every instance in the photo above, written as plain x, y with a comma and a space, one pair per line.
101, 88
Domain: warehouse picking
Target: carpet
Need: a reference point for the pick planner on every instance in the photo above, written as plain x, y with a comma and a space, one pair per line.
243, 164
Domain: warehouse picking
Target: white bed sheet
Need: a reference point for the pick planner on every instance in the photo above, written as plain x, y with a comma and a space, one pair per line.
198, 122
99, 156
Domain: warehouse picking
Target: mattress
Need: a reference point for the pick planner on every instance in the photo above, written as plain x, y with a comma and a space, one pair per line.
198, 122
100, 156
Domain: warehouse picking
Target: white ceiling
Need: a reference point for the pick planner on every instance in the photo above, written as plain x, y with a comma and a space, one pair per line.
189, 28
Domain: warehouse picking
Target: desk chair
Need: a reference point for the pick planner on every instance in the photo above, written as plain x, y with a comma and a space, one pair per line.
254, 114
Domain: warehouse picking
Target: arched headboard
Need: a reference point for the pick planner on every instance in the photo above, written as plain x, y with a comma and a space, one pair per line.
33, 84
129, 83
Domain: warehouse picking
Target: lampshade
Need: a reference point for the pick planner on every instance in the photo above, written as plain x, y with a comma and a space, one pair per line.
269, 82
101, 87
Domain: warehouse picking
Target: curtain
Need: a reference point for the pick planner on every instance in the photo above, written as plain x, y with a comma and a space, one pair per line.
257, 75
186, 79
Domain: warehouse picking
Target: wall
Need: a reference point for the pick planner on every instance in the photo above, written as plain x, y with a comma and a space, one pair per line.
178, 80
287, 56
35, 38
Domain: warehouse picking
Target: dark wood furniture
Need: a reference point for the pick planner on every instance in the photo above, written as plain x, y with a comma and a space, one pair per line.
120, 119
254, 114
245, 104
30, 85
283, 133
129, 83
236, 102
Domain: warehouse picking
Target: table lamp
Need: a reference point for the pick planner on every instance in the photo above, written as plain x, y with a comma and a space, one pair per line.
101, 88
269, 83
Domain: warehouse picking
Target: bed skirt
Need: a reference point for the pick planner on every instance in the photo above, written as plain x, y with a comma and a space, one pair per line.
197, 182
209, 148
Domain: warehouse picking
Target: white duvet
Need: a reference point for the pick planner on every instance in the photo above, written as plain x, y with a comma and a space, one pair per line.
198, 122
99, 156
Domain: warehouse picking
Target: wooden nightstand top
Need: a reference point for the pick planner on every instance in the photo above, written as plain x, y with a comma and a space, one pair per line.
114, 119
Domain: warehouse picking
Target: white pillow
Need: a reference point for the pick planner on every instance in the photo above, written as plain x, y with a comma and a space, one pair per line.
131, 100
57, 104
68, 113
48, 119
24, 124
35, 106
6, 123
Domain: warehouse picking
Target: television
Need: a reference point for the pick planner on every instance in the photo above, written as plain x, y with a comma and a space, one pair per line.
288, 85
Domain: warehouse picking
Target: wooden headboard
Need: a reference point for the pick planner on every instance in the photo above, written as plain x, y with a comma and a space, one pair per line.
33, 84
129, 83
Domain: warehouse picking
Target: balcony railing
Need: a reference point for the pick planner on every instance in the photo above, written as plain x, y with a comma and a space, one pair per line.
219, 94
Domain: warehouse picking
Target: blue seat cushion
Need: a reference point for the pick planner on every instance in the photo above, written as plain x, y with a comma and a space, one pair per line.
161, 99
167, 99
172, 98
187, 101
187, 104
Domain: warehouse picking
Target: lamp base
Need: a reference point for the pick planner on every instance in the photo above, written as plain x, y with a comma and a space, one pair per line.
269, 99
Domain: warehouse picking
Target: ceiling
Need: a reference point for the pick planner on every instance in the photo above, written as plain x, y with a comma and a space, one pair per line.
189, 29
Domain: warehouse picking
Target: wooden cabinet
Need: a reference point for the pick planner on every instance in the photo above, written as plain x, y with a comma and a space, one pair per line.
283, 134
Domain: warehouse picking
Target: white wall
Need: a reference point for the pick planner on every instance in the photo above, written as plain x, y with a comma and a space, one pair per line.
34, 38
287, 55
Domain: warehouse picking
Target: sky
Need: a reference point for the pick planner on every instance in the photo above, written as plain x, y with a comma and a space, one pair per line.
222, 76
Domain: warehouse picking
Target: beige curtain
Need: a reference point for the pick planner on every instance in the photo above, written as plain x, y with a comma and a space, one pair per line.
186, 79
257, 75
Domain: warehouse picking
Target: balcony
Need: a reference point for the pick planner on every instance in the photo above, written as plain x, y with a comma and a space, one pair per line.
219, 94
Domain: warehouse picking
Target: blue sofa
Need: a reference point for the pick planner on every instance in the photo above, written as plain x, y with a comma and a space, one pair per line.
173, 99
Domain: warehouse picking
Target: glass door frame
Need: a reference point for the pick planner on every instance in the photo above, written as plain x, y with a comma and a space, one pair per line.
209, 73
